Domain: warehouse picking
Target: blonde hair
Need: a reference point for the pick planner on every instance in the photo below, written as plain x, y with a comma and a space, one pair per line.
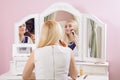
22, 25
75, 24
51, 33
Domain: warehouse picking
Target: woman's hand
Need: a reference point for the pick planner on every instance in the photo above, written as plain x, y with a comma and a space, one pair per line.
62, 43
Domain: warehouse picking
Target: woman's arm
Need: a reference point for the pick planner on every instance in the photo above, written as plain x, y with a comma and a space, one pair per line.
73, 69
28, 70
30, 40
75, 39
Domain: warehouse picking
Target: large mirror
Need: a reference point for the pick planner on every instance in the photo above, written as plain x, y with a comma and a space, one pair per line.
69, 25
70, 21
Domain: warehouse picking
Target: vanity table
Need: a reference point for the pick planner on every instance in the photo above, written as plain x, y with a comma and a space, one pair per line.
90, 70
91, 53
8, 76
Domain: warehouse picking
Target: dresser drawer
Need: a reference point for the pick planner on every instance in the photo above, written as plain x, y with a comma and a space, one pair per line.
17, 67
94, 69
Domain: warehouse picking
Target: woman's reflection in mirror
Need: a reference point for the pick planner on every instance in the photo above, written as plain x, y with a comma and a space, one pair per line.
71, 35
22, 37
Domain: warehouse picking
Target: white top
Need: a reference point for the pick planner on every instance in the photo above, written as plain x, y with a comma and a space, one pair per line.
52, 62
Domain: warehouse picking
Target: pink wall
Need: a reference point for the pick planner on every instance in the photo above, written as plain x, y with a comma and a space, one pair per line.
108, 11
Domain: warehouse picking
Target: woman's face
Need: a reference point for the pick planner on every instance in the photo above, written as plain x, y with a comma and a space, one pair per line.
22, 29
68, 27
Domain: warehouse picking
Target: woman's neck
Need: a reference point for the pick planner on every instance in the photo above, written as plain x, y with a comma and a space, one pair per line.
70, 37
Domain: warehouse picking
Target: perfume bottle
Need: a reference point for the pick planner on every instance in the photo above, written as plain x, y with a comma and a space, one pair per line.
81, 71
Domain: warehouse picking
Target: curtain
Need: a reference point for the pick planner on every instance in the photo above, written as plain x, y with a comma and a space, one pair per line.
93, 40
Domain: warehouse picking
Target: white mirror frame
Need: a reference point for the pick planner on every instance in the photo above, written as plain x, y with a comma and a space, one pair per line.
68, 8
103, 41
36, 17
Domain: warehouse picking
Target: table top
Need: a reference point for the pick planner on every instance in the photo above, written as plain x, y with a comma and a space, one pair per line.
8, 75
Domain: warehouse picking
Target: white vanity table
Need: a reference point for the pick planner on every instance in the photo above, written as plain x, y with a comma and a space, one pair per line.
93, 64
8, 76
91, 70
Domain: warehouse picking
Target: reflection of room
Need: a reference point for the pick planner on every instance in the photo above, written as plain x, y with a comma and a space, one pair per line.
60, 16
94, 39
64, 17
30, 26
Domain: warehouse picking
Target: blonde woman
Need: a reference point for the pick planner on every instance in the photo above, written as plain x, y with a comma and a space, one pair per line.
50, 61
22, 37
71, 35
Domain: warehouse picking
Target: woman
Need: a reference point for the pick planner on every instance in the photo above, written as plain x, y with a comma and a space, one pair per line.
71, 35
50, 61
22, 37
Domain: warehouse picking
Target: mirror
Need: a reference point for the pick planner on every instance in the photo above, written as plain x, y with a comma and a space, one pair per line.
69, 25
70, 20
94, 39
27, 32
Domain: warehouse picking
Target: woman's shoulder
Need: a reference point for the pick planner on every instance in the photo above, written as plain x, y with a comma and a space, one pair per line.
65, 48
43, 48
47, 48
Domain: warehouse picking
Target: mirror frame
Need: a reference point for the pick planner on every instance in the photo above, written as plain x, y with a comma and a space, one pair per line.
103, 41
67, 8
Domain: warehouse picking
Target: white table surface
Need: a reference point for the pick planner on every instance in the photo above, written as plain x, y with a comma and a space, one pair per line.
9, 76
